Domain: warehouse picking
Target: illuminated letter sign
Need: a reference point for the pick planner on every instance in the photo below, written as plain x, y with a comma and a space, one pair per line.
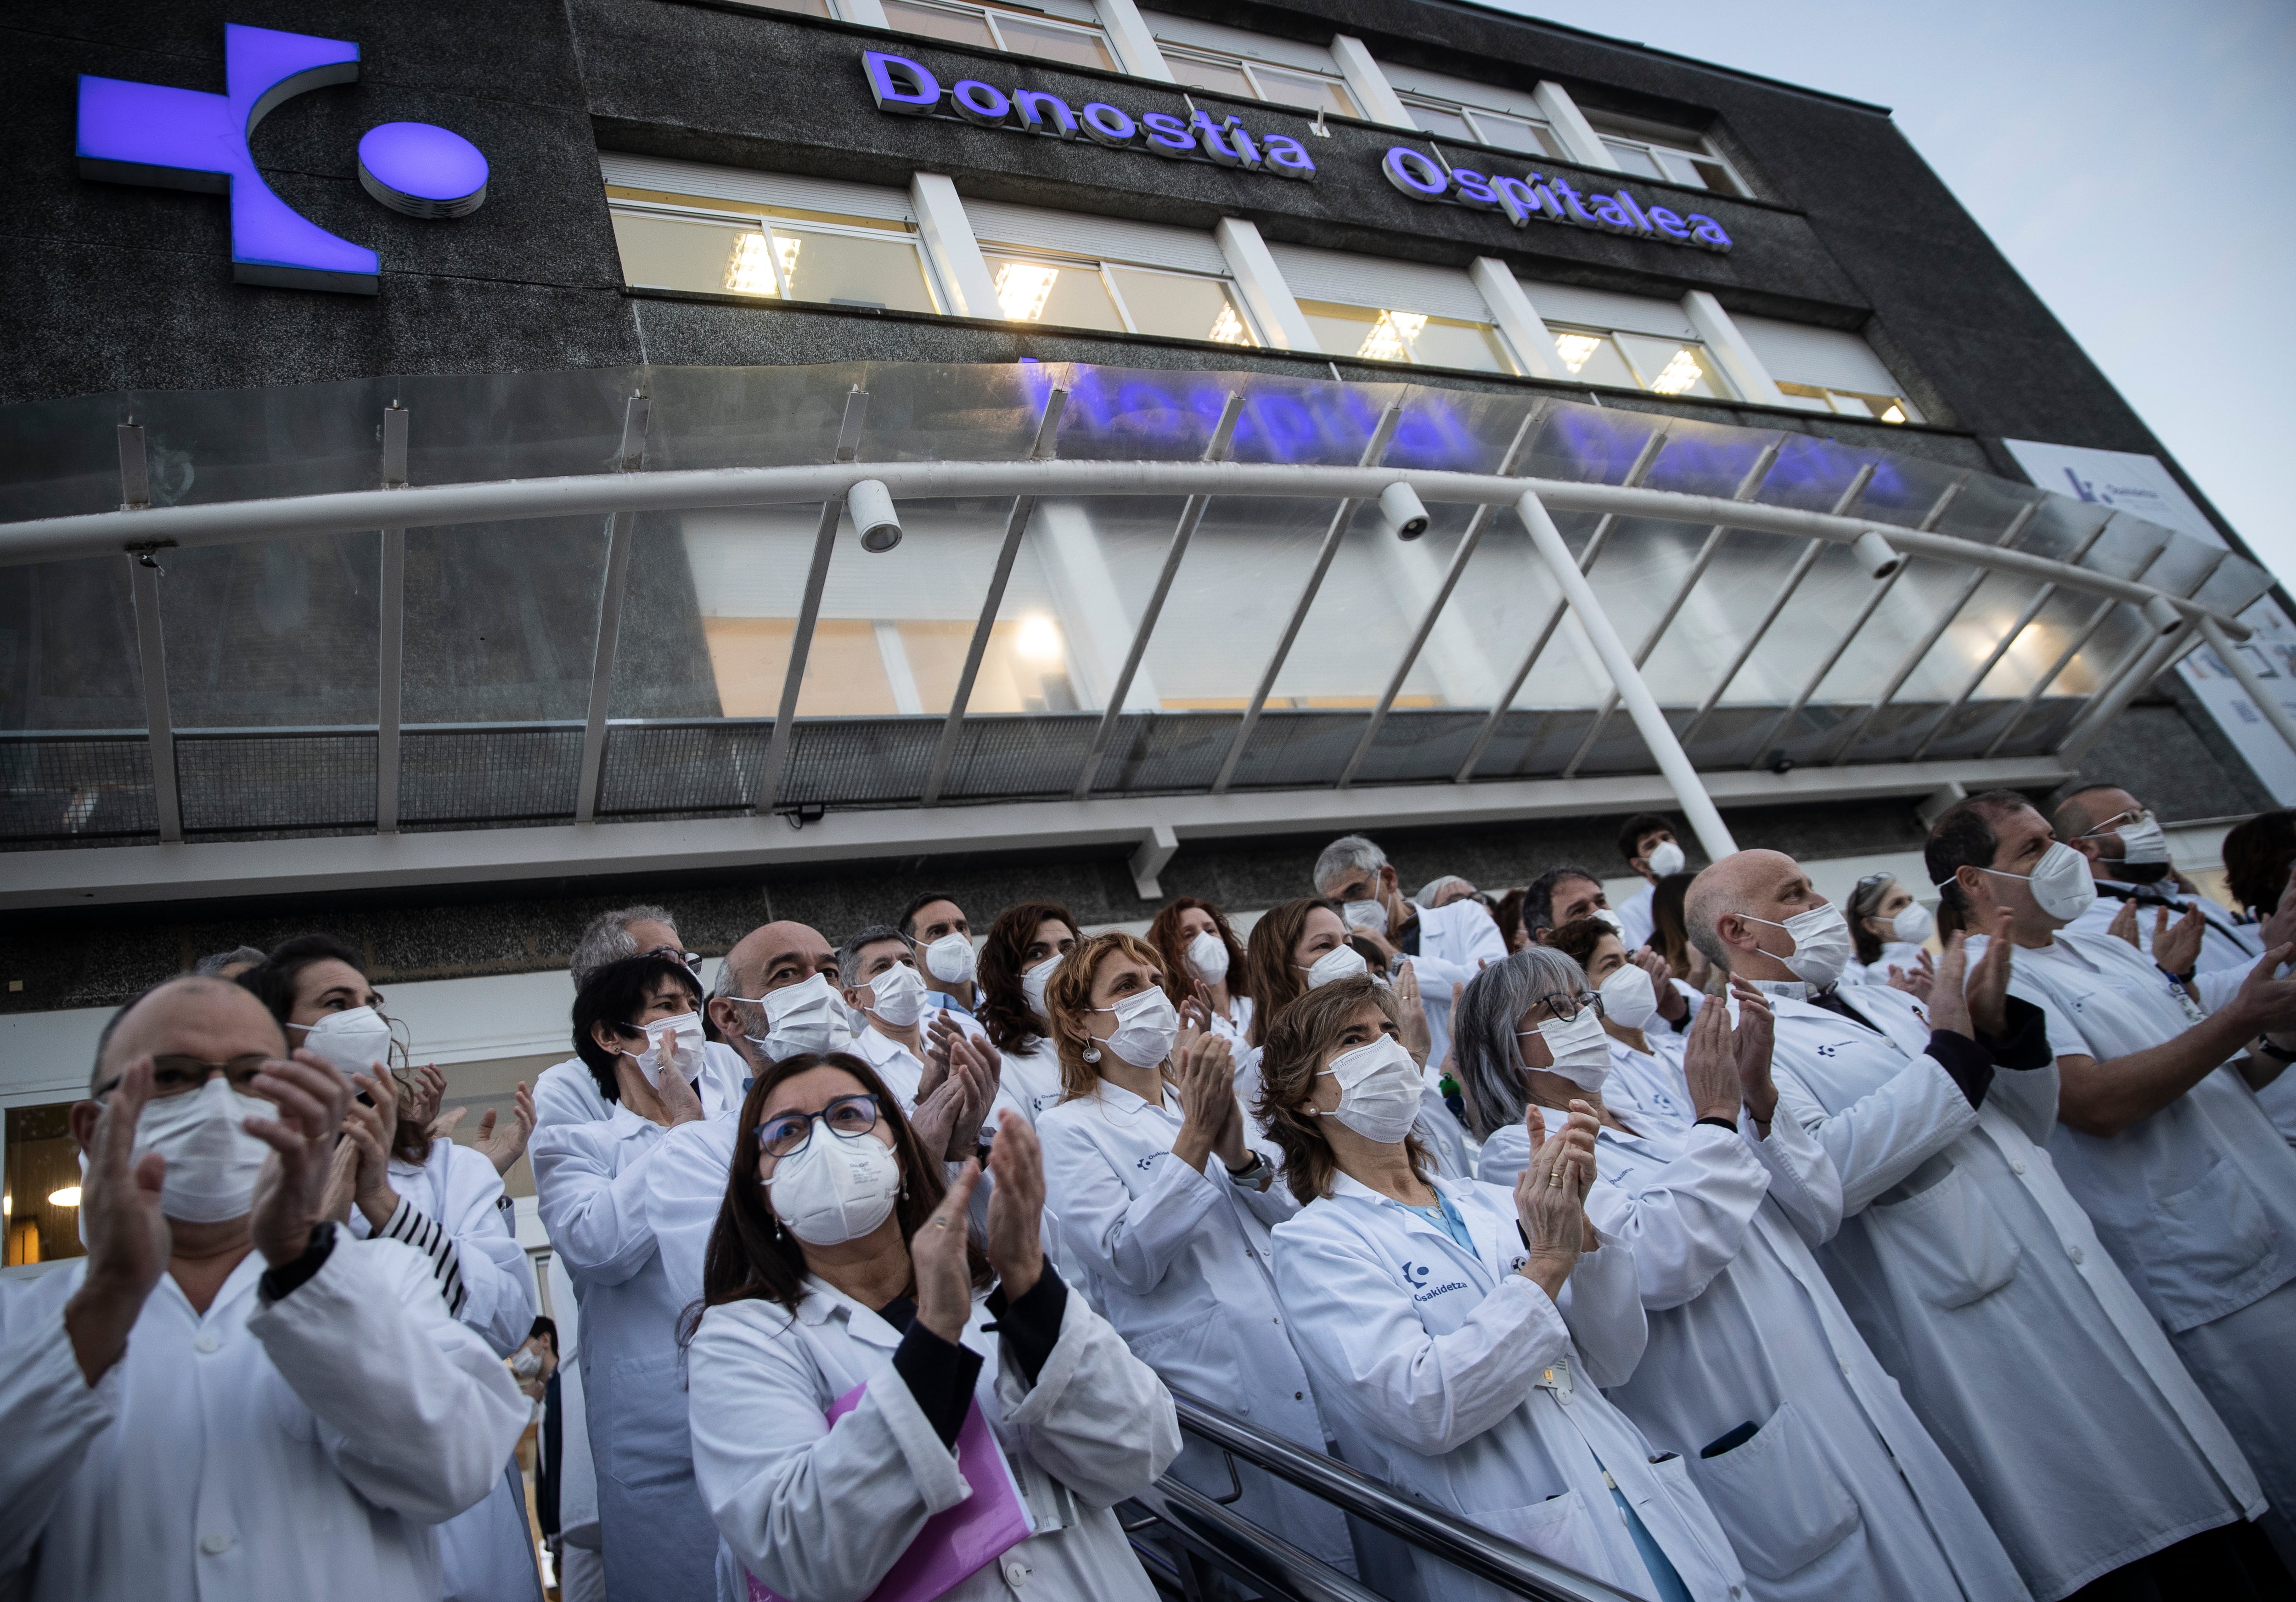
909, 89
133, 133
1550, 199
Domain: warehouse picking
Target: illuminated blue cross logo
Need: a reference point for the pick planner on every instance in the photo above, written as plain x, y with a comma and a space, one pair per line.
132, 133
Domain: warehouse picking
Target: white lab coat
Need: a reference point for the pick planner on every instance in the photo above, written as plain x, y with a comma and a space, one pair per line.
1455, 941
1980, 1285
257, 1454
487, 1554
1236, 1023
2230, 945
820, 1512
1448, 1375
567, 1093
590, 1182
1638, 918
1902, 955
1841, 1492
1179, 1261
1649, 1084
578, 1477
1033, 1077
2196, 1204
903, 1073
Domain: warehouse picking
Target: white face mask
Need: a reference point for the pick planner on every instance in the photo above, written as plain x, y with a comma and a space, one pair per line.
1208, 956
527, 1364
1822, 943
212, 1161
682, 1035
1366, 915
1341, 962
1666, 858
353, 1040
2141, 843
898, 995
2062, 886
951, 959
1033, 982
1912, 923
1629, 998
1146, 1025
1581, 1050
1604, 914
838, 1188
1380, 1090
800, 1018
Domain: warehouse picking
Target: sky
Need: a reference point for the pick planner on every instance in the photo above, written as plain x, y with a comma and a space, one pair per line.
2131, 161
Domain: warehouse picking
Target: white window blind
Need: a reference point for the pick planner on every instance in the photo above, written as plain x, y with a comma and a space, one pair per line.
1105, 238
1353, 280
746, 187
1832, 358
1603, 309
1441, 85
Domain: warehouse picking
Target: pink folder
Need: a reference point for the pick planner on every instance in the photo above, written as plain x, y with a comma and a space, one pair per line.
956, 1545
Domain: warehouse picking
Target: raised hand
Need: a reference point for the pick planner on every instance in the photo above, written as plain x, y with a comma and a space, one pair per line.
2124, 924
1016, 1205
2176, 950
1918, 982
1418, 1039
128, 1240
681, 1102
1549, 1196
1709, 1065
1204, 1074
941, 1030
980, 1070
1948, 1003
2270, 1003
504, 1148
312, 1099
1987, 988
443, 1127
369, 1129
423, 1096
937, 1259
1753, 1041
2279, 927
1671, 1003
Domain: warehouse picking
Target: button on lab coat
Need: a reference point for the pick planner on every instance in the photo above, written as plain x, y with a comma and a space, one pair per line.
252, 1454
820, 1512
1448, 1375
486, 1554
1980, 1285
1179, 1261
590, 1182
1841, 1492
2196, 1204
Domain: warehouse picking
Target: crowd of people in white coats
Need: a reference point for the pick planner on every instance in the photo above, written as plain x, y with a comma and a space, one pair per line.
1730, 1243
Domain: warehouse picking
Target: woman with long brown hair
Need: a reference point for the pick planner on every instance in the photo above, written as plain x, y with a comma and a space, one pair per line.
1203, 962
1166, 1202
1019, 954
1460, 1333
841, 1274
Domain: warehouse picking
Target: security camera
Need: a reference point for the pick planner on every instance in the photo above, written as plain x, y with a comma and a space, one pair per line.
869, 504
1875, 556
1399, 505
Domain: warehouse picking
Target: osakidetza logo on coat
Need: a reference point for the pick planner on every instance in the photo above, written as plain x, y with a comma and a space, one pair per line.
139, 133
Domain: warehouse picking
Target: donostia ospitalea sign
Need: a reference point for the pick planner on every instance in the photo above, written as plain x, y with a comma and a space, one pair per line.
907, 88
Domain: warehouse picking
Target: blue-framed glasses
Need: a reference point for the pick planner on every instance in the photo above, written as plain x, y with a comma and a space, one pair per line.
786, 1136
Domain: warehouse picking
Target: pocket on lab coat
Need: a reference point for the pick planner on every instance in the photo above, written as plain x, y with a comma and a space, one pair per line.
1555, 1529
644, 1440
1950, 1239
2205, 1239
1193, 1354
1777, 1498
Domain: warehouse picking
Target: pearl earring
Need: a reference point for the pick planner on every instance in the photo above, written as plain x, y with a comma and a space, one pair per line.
1092, 1051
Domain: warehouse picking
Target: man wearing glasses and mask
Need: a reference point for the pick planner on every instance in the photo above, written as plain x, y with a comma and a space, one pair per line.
226, 1377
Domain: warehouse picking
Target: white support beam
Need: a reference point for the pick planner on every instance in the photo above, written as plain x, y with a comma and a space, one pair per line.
1517, 318
948, 235
1368, 83
127, 876
1158, 847
1279, 316
1136, 46
1581, 142
1752, 379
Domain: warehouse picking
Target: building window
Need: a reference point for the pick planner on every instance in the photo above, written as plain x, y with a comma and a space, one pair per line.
1886, 408
1374, 333
803, 8
40, 1205
1676, 155
839, 260
1037, 287
1473, 125
1639, 361
993, 29
1225, 74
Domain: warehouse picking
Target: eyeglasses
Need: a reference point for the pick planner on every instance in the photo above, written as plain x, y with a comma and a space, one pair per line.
182, 1075
788, 1135
1870, 880
2113, 824
1563, 1008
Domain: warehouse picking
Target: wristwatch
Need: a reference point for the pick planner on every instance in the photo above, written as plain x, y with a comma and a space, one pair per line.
1253, 1174
2265, 1048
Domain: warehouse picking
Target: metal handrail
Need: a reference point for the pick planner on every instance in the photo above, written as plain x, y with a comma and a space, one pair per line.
511, 500
1229, 1541
1430, 1529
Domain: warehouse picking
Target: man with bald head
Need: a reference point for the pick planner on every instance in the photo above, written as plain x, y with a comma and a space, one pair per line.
2130, 867
228, 1396
1973, 1274
776, 996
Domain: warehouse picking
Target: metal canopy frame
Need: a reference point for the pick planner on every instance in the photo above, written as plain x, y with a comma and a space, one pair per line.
144, 532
